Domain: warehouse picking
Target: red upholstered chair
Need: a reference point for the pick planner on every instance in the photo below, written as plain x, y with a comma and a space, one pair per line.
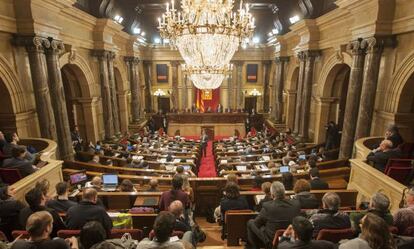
400, 174
399, 163
3, 237
276, 238
23, 233
409, 231
10, 176
64, 234
335, 235
136, 234
179, 234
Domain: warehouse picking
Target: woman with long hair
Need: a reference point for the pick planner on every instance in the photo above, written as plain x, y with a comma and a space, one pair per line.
374, 235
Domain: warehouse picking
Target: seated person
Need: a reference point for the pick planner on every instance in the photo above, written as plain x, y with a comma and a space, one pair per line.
268, 196
374, 234
37, 202
394, 136
316, 182
303, 195
88, 210
176, 193
61, 202
299, 236
153, 183
232, 200
276, 214
44, 186
127, 186
329, 217
9, 211
93, 234
404, 217
95, 159
163, 228
96, 183
39, 226
12, 140
258, 180
19, 161
379, 156
287, 180
378, 205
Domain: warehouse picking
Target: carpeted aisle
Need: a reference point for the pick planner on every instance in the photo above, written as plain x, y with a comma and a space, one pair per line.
207, 165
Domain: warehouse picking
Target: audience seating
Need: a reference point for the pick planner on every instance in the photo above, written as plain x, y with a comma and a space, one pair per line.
23, 233
400, 174
10, 176
335, 235
64, 234
179, 234
235, 225
278, 234
136, 234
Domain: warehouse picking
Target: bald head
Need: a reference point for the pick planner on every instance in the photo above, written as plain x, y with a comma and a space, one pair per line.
90, 194
386, 145
176, 207
97, 182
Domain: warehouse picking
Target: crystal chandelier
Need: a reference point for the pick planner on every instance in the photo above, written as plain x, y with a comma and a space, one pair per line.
207, 33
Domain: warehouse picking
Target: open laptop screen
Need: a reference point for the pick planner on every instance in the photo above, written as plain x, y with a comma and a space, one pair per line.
78, 177
110, 179
284, 169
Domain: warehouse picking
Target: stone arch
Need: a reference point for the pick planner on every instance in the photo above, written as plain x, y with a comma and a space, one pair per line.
396, 92
79, 85
331, 93
291, 76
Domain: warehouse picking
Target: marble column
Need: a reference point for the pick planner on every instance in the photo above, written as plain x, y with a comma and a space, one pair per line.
298, 107
307, 93
38, 69
57, 94
133, 73
230, 88
147, 75
113, 90
174, 92
184, 98
357, 48
239, 84
375, 47
279, 86
266, 87
290, 108
105, 93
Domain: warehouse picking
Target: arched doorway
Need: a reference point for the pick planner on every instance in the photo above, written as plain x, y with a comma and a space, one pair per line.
404, 119
289, 99
331, 104
7, 116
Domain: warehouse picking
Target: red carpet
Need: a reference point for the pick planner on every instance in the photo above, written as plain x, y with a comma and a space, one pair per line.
207, 165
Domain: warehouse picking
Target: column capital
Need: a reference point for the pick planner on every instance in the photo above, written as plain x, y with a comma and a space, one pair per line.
147, 62
238, 63
175, 63
357, 47
377, 44
33, 43
266, 62
132, 59
54, 46
281, 59
103, 54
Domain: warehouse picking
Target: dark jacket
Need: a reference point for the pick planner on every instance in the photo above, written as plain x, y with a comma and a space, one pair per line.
307, 200
277, 214
227, 204
24, 166
43, 244
9, 214
262, 201
86, 211
380, 159
318, 184
396, 140
313, 244
60, 206
181, 225
329, 219
57, 221
168, 197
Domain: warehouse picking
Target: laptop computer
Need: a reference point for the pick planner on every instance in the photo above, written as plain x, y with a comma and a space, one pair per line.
110, 182
78, 178
284, 169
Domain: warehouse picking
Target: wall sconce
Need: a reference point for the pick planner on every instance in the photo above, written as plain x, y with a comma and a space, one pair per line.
254, 92
159, 93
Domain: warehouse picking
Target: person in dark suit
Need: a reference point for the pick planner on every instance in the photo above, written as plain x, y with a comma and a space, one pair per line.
299, 236
276, 214
87, 210
329, 217
9, 211
316, 182
268, 197
219, 108
19, 161
379, 157
204, 140
332, 136
2, 141
61, 203
181, 224
394, 136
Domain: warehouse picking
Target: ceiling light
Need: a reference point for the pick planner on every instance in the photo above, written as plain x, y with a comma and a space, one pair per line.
256, 40
294, 19
118, 19
244, 45
157, 40
136, 31
270, 34
275, 31
142, 33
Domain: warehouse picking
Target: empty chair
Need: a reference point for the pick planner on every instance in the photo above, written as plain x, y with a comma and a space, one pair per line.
400, 174
335, 235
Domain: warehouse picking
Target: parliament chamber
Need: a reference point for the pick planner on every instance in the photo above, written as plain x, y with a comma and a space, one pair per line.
206, 124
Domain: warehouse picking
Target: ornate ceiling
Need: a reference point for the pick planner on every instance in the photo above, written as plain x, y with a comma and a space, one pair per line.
143, 14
